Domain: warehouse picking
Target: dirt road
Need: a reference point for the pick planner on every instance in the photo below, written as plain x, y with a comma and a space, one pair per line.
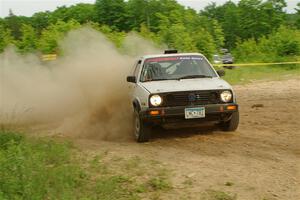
259, 161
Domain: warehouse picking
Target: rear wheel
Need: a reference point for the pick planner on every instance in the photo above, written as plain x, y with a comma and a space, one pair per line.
232, 124
141, 129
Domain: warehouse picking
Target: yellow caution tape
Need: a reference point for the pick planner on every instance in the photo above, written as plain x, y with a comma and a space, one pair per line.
256, 64
49, 57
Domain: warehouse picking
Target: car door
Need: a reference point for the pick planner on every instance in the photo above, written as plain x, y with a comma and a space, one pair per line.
135, 73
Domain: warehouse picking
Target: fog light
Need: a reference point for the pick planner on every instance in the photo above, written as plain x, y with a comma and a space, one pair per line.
231, 107
154, 112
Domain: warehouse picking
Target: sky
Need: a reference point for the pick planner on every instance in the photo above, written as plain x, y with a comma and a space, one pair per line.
29, 7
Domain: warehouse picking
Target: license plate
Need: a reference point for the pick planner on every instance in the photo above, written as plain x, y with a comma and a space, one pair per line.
192, 113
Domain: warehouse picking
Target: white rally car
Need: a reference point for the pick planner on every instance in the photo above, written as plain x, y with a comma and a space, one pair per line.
175, 88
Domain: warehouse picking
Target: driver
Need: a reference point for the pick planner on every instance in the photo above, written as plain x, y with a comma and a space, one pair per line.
154, 71
185, 67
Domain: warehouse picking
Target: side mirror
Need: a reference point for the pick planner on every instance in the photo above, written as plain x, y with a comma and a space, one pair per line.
221, 72
131, 79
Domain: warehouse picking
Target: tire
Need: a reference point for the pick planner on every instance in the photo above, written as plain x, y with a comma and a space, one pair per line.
142, 131
232, 124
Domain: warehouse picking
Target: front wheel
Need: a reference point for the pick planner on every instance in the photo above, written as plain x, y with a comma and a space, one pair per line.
232, 124
141, 129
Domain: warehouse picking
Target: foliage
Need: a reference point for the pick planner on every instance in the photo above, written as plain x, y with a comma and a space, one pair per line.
278, 46
36, 169
28, 42
115, 36
147, 34
298, 16
81, 13
48, 42
159, 183
5, 37
247, 19
205, 43
14, 24
48, 169
236, 26
112, 13
40, 21
176, 36
219, 195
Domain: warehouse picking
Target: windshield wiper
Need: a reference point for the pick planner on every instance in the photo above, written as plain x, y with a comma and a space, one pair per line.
194, 76
159, 79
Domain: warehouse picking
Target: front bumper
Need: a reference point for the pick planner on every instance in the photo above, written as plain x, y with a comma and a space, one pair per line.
166, 115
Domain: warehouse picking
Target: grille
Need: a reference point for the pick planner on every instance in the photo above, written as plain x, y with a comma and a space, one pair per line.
191, 98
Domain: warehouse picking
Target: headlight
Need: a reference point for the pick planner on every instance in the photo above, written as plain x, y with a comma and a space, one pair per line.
226, 96
155, 100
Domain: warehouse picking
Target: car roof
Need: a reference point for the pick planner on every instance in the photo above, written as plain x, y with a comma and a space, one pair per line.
169, 55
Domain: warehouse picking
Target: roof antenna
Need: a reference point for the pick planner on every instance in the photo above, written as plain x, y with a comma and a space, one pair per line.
171, 51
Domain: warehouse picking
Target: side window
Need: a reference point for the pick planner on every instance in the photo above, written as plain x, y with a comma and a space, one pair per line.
137, 69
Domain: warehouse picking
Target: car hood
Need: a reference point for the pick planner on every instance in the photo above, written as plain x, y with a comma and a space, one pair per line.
186, 85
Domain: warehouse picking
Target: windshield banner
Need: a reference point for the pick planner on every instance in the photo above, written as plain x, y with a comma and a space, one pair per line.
164, 59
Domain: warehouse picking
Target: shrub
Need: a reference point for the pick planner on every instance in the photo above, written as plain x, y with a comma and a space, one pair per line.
282, 45
37, 169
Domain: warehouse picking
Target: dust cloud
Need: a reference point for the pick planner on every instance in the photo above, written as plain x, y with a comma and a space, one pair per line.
84, 93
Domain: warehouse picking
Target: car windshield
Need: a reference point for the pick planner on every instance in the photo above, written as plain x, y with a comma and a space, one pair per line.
216, 57
176, 67
227, 56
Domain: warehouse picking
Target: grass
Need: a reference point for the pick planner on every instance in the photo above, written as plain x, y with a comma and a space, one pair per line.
218, 195
33, 168
36, 169
159, 183
114, 187
242, 75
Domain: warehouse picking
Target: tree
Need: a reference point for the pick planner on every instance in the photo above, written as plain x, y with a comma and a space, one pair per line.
115, 36
298, 16
280, 45
112, 13
48, 43
228, 17
247, 19
274, 12
260, 18
167, 22
81, 12
204, 42
5, 38
138, 11
179, 38
28, 42
286, 42
14, 23
253, 23
40, 21
146, 33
